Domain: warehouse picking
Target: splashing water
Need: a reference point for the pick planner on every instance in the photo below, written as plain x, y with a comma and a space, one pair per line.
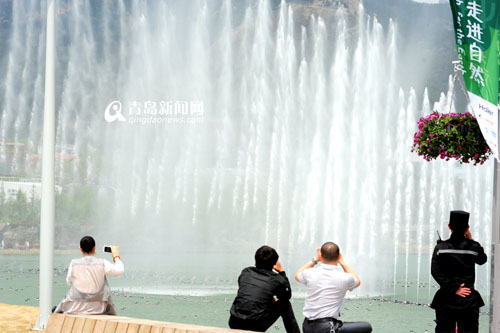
304, 137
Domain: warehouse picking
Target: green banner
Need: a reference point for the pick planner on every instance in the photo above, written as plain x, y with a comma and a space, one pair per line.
477, 33
477, 29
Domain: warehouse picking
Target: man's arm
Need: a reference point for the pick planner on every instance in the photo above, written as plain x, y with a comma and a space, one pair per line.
349, 270
309, 264
117, 268
284, 291
69, 277
481, 257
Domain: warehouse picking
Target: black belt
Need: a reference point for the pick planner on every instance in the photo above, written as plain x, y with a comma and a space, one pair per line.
320, 320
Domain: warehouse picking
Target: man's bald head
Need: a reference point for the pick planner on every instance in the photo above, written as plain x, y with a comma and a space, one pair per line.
330, 251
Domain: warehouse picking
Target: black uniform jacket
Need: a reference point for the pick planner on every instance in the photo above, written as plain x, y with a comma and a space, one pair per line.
453, 263
257, 288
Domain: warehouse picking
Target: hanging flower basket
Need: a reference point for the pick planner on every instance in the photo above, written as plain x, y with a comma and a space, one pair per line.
447, 136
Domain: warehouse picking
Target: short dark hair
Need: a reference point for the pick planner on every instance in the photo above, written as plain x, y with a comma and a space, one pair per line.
330, 251
87, 244
266, 257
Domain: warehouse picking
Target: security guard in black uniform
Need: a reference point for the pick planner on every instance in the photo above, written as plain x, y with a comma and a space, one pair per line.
456, 302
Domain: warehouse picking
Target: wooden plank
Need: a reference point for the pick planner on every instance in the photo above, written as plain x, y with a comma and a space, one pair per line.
121, 328
68, 324
100, 326
110, 327
55, 323
59, 323
145, 329
78, 325
133, 328
168, 330
156, 329
137, 321
88, 327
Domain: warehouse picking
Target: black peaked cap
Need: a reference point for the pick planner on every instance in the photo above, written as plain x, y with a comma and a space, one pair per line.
459, 218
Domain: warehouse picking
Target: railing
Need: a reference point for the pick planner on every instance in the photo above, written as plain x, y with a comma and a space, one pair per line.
20, 180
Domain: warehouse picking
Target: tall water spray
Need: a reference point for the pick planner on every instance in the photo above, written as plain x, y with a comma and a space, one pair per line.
273, 132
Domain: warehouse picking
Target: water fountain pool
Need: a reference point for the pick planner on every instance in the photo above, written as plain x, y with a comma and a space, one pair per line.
275, 132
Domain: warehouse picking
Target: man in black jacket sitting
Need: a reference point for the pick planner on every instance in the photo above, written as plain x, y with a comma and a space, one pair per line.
457, 302
255, 308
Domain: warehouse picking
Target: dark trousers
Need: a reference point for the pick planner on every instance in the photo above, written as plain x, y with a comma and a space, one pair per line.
281, 309
330, 325
467, 321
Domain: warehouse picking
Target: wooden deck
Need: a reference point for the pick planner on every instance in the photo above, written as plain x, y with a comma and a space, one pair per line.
61, 323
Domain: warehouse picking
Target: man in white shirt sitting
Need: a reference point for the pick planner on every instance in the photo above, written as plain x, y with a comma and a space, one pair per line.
327, 285
89, 291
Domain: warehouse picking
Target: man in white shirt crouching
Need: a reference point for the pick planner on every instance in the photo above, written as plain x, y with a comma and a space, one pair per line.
89, 292
327, 285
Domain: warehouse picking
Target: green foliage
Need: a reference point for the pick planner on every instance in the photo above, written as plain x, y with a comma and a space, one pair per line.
455, 135
19, 210
73, 207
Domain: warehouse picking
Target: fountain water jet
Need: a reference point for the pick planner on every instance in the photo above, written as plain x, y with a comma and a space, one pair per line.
305, 137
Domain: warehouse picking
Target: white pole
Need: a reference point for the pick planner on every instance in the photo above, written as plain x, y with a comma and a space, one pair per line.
48, 183
495, 244
495, 255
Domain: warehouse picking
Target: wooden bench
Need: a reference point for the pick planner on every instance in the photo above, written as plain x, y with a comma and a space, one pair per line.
61, 323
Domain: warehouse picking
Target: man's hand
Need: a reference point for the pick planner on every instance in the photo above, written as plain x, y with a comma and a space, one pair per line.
463, 291
348, 269
115, 252
341, 260
468, 234
278, 267
317, 257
